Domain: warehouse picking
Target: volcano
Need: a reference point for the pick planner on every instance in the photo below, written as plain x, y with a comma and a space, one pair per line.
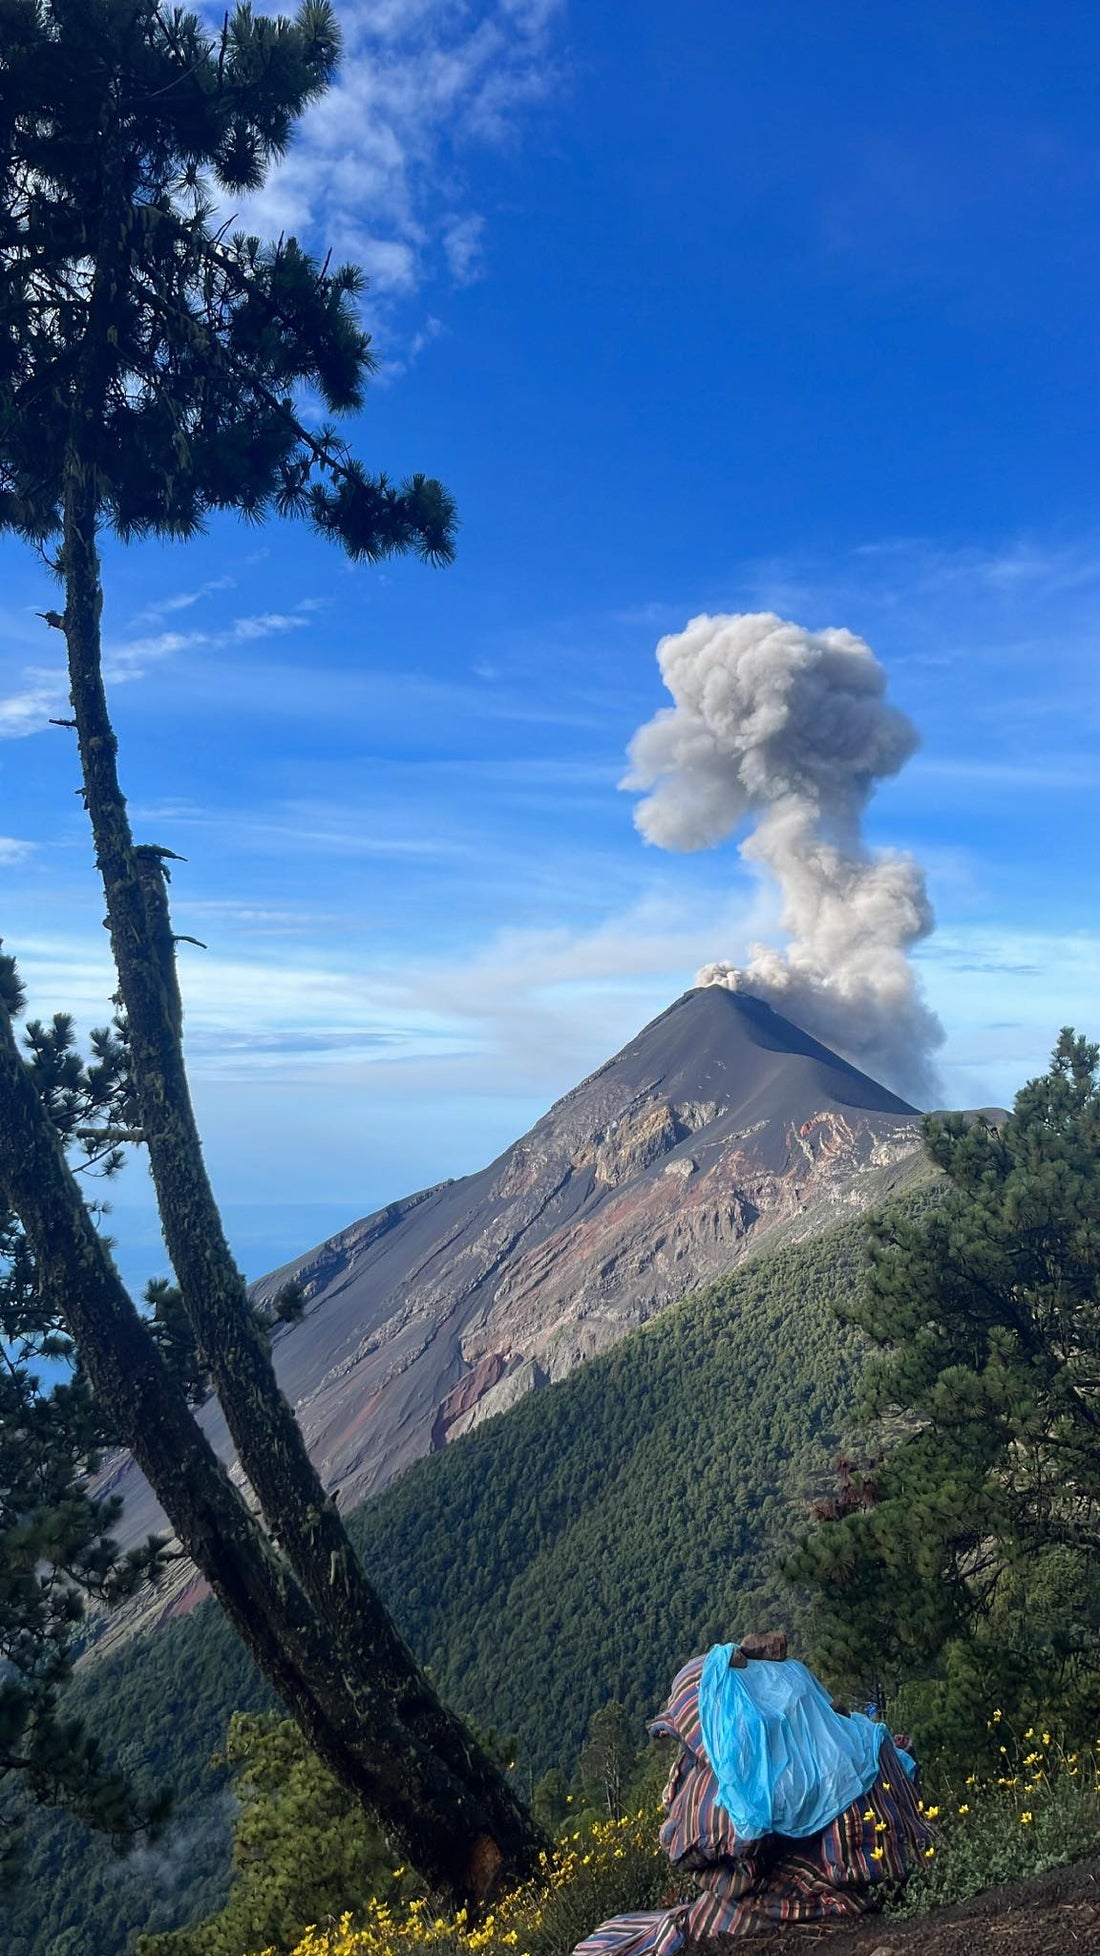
721, 1128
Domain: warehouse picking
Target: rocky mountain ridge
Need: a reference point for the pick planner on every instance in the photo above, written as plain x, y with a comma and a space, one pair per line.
721, 1129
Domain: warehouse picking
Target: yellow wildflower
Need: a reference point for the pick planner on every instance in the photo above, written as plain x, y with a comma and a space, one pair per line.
964, 1808
928, 1853
933, 1813
877, 1853
1026, 1818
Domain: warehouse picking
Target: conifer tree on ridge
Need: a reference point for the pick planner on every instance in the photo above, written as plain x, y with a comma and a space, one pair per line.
966, 1566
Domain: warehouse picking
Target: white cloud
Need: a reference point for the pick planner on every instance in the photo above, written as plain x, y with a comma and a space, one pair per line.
1006, 993
519, 1008
43, 696
376, 168
531, 1011
13, 851
45, 690
182, 601
463, 243
130, 659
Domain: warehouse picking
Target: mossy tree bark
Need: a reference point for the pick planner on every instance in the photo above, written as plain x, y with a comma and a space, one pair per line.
150, 378
436, 1819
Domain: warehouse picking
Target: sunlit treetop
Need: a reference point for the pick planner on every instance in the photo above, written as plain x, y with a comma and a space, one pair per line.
139, 330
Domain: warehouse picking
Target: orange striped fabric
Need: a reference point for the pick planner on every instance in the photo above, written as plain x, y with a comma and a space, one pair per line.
745, 1890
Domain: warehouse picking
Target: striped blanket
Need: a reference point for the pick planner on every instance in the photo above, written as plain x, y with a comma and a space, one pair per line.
746, 1890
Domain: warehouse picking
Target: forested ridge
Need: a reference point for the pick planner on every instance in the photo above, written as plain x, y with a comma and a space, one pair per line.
576, 1550
581, 1548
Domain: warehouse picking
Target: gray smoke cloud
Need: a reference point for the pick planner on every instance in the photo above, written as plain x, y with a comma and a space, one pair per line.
790, 730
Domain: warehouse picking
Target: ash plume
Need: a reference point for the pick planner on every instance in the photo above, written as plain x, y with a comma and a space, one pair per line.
790, 730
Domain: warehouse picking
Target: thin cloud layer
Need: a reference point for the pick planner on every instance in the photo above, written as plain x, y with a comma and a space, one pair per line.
44, 692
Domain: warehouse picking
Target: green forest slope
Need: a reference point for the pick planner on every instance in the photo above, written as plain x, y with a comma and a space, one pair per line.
584, 1546
577, 1549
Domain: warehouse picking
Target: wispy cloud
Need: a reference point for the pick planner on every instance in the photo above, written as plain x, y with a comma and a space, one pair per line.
377, 168
463, 241
13, 851
254, 920
182, 601
45, 689
131, 658
1057, 774
40, 698
520, 1007
530, 1011
1005, 993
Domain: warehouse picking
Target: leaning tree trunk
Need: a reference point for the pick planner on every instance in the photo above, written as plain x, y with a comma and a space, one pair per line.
431, 1817
269, 1443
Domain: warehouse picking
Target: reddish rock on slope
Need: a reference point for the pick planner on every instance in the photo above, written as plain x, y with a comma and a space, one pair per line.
720, 1127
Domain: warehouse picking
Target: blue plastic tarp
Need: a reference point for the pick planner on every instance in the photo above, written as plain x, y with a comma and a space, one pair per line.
785, 1761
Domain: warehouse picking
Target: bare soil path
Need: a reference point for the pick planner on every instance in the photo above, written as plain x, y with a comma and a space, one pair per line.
1052, 1914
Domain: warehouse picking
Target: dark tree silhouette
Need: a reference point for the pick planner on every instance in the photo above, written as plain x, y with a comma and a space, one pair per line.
56, 1547
148, 364
965, 1563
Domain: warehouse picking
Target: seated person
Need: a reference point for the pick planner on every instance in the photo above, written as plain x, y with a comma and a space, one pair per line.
781, 1807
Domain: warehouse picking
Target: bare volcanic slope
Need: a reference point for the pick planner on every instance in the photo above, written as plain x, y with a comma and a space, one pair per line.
720, 1127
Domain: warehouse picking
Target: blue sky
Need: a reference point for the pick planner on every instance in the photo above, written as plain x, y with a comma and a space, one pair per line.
713, 308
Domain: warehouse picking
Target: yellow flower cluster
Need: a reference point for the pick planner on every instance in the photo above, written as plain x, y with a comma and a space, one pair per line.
1039, 1770
411, 1929
585, 1865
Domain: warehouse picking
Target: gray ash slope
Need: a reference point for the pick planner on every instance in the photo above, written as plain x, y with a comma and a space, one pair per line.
721, 1128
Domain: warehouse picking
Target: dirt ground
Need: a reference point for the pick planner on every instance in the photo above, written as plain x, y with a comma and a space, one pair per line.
1049, 1914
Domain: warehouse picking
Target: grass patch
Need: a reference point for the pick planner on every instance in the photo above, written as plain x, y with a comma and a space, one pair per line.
1040, 1810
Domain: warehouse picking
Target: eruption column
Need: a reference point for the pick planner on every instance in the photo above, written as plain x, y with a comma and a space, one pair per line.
790, 730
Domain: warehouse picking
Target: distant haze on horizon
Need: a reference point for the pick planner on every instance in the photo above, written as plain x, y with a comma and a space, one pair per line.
741, 312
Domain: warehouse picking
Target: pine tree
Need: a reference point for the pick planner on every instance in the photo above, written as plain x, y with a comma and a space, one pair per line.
303, 1851
147, 371
56, 1546
609, 1757
967, 1567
